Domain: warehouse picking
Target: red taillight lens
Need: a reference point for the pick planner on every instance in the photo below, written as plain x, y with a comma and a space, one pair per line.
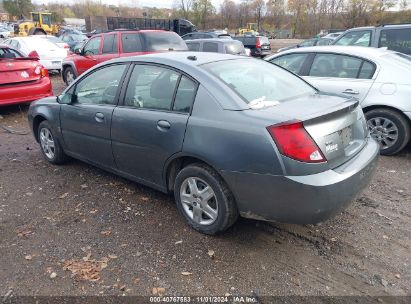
293, 141
40, 70
34, 54
258, 45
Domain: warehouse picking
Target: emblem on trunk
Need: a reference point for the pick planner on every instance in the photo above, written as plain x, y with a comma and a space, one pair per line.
24, 74
331, 147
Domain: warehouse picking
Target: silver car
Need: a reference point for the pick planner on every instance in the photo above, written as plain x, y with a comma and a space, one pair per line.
228, 135
379, 79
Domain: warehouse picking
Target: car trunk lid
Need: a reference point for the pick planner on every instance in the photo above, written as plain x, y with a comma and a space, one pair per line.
337, 125
19, 70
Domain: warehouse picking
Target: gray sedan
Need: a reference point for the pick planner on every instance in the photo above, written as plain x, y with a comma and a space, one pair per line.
228, 135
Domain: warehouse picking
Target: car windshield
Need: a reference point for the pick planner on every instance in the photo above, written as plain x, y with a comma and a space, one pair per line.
256, 80
6, 53
164, 41
79, 37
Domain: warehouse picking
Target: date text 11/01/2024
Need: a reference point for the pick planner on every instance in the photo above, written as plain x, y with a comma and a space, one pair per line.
205, 299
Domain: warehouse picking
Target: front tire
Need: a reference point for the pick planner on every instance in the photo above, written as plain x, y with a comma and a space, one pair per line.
389, 128
50, 145
204, 200
68, 75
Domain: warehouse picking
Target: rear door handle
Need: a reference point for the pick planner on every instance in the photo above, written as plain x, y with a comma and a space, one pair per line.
350, 91
99, 117
164, 124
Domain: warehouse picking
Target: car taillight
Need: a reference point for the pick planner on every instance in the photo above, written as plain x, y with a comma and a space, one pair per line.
33, 54
258, 43
40, 70
294, 142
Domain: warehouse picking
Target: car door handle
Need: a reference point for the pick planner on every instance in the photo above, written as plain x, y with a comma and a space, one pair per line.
99, 117
163, 124
350, 91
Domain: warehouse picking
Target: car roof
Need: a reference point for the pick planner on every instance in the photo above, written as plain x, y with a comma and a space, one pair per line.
181, 58
217, 40
361, 51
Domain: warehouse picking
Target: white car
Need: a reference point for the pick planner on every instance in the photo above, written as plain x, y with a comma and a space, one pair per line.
4, 32
51, 56
57, 41
378, 78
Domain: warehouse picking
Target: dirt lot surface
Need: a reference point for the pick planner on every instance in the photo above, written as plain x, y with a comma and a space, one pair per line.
77, 230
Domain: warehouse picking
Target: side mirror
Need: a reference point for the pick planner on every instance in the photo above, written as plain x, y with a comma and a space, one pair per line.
66, 98
78, 51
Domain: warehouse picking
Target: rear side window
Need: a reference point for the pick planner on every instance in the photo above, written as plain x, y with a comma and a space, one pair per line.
151, 87
367, 70
291, 62
163, 41
396, 39
194, 47
234, 48
333, 65
110, 44
185, 95
210, 47
358, 38
131, 43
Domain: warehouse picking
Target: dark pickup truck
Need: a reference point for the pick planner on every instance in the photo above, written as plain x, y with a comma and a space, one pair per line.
259, 45
396, 37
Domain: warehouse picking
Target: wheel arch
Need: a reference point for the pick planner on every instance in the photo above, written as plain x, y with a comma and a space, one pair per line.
38, 119
66, 65
375, 107
179, 161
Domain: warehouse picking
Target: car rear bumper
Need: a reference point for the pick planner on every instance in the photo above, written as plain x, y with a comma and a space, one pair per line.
52, 64
25, 92
303, 199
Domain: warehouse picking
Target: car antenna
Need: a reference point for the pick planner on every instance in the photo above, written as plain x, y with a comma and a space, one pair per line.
193, 58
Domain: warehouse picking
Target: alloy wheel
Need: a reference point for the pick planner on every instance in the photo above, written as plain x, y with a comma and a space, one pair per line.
383, 130
47, 143
199, 201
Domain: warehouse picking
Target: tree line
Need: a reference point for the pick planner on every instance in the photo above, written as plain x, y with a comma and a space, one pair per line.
302, 18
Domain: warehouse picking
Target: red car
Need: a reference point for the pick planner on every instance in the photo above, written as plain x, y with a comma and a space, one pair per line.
22, 79
119, 43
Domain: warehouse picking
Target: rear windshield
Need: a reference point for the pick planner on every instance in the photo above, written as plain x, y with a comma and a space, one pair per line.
400, 58
235, 48
164, 41
264, 40
6, 53
254, 80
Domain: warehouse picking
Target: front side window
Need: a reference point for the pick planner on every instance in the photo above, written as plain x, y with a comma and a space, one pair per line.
110, 44
357, 38
256, 81
100, 87
333, 65
210, 47
151, 87
131, 43
291, 62
396, 39
93, 46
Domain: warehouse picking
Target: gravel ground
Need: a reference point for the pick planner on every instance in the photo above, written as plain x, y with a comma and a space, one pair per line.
77, 230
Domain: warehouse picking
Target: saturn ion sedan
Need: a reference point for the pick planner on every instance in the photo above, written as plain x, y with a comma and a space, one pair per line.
228, 135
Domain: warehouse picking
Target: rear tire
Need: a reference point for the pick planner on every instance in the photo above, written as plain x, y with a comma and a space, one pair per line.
389, 128
68, 75
50, 145
209, 206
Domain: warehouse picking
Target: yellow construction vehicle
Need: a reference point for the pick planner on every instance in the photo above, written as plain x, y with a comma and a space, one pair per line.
40, 24
250, 30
